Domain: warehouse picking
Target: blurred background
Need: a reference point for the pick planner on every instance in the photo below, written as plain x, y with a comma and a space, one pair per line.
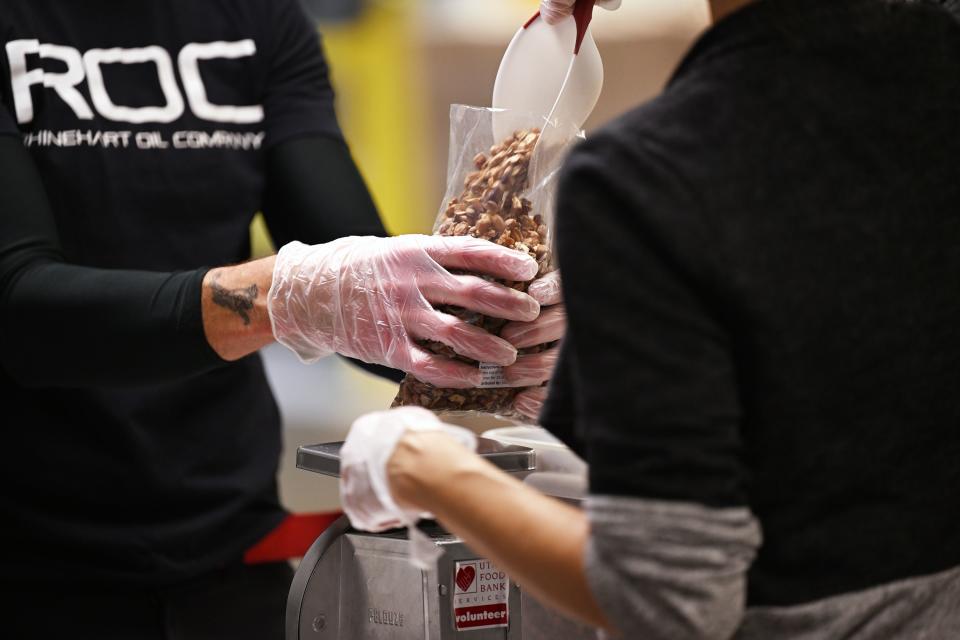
397, 66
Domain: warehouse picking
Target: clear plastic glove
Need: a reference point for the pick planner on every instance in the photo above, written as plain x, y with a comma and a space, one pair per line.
550, 325
532, 371
372, 299
530, 403
536, 368
364, 486
555, 10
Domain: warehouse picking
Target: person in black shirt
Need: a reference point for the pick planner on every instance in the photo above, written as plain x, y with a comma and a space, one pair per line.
141, 440
763, 349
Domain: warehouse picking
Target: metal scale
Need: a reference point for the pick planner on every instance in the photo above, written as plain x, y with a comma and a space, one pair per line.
353, 585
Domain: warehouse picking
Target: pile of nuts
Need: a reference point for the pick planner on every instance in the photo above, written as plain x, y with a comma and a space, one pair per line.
491, 207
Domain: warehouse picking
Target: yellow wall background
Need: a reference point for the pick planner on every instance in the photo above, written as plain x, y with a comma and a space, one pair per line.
380, 104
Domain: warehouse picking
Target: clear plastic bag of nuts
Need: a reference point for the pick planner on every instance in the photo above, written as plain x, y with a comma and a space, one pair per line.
501, 191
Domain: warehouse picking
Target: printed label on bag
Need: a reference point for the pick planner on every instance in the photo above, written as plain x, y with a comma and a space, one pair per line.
491, 376
481, 598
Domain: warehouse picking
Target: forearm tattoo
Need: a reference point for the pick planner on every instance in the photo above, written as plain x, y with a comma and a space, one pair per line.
240, 301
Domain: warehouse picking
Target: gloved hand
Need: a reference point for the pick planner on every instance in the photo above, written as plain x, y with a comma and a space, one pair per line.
364, 485
530, 402
555, 10
371, 298
536, 368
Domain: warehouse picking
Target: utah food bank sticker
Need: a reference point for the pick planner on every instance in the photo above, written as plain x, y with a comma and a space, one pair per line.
481, 596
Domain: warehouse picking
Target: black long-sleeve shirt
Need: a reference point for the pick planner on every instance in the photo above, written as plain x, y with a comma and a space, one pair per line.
760, 272
132, 453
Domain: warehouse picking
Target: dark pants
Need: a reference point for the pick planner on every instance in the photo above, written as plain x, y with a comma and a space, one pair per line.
239, 603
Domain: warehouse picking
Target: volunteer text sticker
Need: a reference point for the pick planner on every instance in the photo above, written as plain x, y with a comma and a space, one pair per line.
481, 596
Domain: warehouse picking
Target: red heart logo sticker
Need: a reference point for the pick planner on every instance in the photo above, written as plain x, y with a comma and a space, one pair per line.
465, 577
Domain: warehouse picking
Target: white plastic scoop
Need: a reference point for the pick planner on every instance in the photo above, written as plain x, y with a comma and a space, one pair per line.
549, 71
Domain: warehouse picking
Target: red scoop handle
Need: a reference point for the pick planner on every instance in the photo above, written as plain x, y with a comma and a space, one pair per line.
582, 13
